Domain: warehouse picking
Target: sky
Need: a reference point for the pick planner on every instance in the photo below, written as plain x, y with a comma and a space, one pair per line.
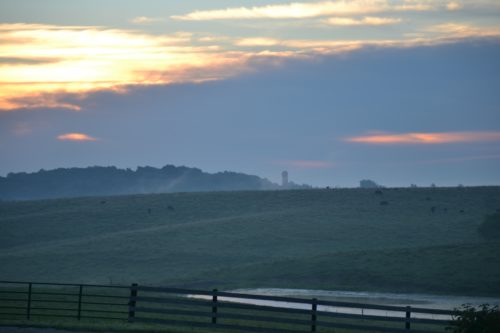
398, 91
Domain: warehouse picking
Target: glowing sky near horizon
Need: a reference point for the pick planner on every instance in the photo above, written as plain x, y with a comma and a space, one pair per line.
67, 68
41, 59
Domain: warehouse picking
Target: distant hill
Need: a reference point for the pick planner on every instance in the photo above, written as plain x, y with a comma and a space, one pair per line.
99, 181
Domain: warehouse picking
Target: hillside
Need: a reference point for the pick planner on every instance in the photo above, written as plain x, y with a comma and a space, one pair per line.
98, 181
421, 240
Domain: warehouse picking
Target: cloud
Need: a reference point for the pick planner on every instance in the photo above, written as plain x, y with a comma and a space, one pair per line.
42, 64
414, 6
368, 20
146, 20
76, 137
303, 48
257, 41
461, 30
453, 5
9, 27
25, 61
426, 138
311, 47
302, 10
306, 164
212, 39
94, 58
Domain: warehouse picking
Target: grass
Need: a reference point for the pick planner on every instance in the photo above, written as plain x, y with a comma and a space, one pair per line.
328, 239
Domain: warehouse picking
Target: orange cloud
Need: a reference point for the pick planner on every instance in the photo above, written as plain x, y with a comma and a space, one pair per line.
426, 138
57, 59
76, 137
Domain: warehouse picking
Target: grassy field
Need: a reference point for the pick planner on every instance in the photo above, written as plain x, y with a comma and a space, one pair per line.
422, 240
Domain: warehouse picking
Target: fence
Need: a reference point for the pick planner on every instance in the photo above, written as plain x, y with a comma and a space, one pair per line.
25, 300
210, 310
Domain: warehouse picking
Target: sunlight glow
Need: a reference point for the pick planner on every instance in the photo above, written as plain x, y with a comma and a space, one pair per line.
80, 59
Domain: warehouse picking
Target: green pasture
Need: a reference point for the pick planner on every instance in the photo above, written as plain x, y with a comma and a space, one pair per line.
420, 240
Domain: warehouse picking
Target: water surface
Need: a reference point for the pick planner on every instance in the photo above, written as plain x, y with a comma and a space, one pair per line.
396, 299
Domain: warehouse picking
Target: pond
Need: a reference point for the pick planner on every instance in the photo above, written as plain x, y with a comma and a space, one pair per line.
379, 298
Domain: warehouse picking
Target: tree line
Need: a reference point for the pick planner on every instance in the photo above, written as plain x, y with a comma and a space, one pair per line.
99, 181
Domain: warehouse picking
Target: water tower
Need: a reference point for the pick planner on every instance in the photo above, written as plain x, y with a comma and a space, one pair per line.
284, 178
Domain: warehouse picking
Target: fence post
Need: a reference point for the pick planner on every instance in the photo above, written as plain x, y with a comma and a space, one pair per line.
408, 315
80, 302
28, 306
132, 302
313, 314
214, 306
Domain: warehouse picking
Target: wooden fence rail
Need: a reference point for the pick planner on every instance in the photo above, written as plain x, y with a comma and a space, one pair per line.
236, 312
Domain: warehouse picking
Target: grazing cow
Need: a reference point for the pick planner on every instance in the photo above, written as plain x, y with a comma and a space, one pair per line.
379, 192
170, 208
433, 209
384, 203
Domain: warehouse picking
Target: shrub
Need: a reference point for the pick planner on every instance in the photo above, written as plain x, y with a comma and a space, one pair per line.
468, 319
490, 227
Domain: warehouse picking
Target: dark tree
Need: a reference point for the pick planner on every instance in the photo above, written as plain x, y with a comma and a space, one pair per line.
367, 183
467, 319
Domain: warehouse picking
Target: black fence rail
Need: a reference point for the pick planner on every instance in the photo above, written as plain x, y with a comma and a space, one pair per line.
27, 300
210, 310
